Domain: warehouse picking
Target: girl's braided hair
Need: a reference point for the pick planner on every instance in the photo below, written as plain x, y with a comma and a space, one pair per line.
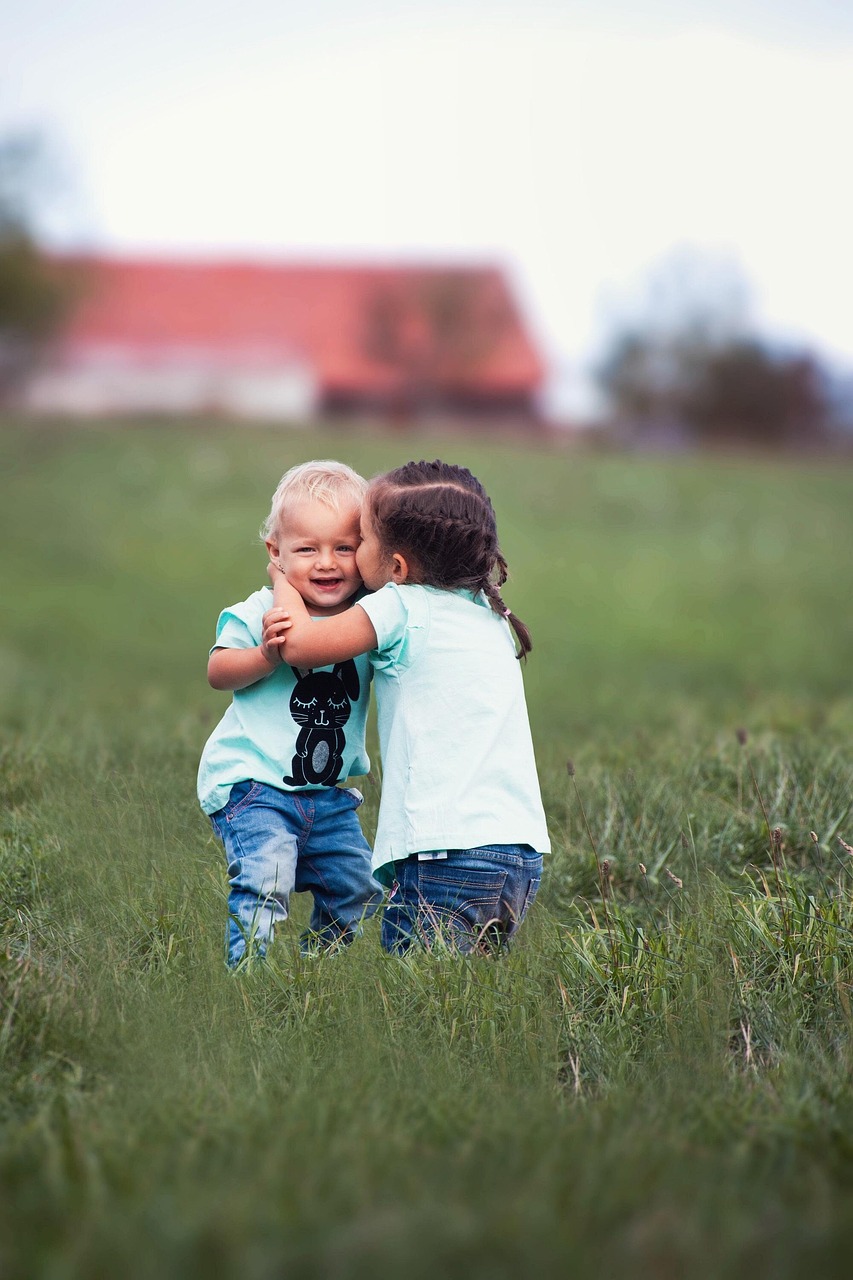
439, 516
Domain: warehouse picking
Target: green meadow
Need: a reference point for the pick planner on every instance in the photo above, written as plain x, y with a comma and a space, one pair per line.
655, 1082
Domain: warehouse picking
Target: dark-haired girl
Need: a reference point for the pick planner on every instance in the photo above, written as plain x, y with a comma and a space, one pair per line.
461, 828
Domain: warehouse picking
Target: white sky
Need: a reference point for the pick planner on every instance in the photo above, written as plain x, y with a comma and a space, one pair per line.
575, 142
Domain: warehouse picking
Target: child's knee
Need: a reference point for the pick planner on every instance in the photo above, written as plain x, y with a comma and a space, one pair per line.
267, 869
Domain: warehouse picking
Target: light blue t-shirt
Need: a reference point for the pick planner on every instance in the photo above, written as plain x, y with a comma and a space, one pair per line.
457, 756
295, 730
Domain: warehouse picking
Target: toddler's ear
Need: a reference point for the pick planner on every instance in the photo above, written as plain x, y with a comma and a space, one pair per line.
272, 549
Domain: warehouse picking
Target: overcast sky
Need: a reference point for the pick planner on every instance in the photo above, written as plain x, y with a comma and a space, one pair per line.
573, 142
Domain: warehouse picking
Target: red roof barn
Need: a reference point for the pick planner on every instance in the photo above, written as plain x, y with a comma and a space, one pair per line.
287, 341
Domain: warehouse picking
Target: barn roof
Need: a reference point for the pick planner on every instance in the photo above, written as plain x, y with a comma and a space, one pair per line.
359, 327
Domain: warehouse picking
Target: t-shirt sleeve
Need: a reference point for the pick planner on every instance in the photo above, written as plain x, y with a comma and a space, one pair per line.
240, 626
400, 617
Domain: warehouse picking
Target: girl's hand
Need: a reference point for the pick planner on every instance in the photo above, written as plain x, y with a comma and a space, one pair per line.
276, 623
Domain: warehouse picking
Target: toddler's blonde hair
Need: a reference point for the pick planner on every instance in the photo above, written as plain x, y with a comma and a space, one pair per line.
324, 480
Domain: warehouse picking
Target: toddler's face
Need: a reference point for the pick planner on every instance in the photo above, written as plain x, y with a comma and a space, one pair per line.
316, 548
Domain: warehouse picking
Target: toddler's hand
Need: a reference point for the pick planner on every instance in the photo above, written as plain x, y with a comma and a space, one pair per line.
276, 623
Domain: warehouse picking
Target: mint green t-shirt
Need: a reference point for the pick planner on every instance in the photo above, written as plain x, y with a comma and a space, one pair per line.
295, 730
458, 770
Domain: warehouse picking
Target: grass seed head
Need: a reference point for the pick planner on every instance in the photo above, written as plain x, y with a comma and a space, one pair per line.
742, 736
570, 768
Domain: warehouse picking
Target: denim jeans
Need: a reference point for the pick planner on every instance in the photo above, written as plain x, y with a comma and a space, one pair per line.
277, 842
472, 900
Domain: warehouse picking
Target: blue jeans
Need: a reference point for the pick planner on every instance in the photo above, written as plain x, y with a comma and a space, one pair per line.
277, 842
472, 900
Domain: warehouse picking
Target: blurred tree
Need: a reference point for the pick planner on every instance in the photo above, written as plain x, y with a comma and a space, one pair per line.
744, 391
686, 364
33, 300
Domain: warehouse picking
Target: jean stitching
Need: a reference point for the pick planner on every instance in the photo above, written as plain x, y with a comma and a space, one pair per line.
433, 922
473, 892
308, 825
455, 856
482, 880
529, 897
241, 804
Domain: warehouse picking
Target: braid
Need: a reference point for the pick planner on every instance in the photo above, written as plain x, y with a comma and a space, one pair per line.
440, 517
493, 595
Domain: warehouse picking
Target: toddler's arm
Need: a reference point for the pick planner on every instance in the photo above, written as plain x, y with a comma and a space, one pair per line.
308, 644
232, 669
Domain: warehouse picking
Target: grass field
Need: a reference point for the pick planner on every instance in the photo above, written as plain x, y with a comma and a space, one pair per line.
654, 1085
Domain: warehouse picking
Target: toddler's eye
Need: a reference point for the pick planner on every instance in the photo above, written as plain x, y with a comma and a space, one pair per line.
347, 548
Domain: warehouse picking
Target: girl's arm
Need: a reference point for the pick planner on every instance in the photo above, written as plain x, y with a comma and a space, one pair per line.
314, 644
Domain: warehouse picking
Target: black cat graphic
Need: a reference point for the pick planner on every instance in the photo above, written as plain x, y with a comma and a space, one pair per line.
321, 704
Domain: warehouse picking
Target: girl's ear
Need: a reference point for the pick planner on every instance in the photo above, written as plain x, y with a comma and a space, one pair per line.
399, 568
272, 549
